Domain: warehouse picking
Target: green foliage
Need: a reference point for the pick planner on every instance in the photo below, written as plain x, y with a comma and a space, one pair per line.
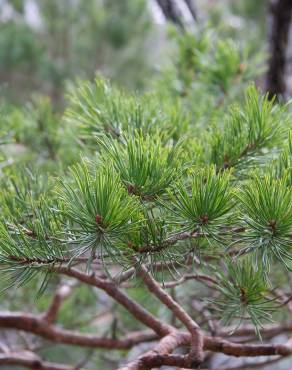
136, 199
205, 206
156, 177
206, 61
17, 47
36, 134
243, 295
248, 130
227, 65
83, 300
98, 208
30, 247
100, 107
147, 168
30, 228
40, 118
190, 50
109, 36
266, 213
282, 167
24, 185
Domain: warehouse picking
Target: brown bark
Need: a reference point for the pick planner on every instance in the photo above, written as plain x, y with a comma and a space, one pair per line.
280, 19
30, 361
113, 291
37, 325
163, 348
196, 351
61, 294
169, 338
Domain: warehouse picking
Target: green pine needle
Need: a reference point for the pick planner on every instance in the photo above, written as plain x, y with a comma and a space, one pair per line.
99, 210
266, 211
146, 166
203, 206
243, 295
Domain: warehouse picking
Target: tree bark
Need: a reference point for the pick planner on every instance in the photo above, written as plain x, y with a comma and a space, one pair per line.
279, 23
171, 12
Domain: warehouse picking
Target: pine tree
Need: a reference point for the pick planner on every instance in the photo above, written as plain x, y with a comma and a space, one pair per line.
181, 214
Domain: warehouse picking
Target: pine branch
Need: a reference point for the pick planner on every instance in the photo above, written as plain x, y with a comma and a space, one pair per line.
268, 331
168, 242
161, 355
30, 361
163, 197
62, 293
165, 346
113, 291
187, 277
38, 325
195, 356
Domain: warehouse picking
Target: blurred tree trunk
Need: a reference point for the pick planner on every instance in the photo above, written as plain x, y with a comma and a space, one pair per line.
191, 6
171, 12
279, 23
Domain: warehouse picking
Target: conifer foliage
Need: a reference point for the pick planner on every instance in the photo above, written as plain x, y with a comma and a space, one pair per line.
157, 205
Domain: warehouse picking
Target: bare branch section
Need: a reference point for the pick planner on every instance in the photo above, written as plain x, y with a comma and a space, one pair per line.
61, 294
30, 360
280, 19
113, 291
187, 277
167, 338
39, 326
166, 346
196, 353
267, 332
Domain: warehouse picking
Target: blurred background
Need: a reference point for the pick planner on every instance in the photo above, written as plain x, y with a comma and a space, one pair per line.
197, 55
46, 43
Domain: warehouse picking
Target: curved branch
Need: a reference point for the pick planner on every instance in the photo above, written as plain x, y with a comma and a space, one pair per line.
267, 331
186, 277
113, 291
39, 326
166, 345
30, 361
196, 351
158, 358
217, 344
61, 294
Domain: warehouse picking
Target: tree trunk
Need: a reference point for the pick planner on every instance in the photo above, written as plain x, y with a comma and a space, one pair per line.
171, 12
279, 23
